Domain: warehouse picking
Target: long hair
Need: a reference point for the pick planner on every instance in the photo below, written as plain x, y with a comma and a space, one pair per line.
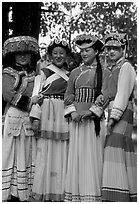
98, 77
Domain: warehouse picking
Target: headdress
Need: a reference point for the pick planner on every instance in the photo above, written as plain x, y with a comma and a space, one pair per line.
43, 46
90, 40
19, 44
116, 39
58, 43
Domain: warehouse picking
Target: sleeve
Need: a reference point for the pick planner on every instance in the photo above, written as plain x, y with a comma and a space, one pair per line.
70, 92
96, 109
8, 87
125, 86
11, 96
38, 84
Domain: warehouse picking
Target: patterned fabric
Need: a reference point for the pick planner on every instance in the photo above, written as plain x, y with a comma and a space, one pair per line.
20, 44
84, 95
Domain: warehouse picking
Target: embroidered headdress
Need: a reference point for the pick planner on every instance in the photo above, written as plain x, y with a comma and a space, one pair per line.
58, 43
116, 39
89, 40
19, 44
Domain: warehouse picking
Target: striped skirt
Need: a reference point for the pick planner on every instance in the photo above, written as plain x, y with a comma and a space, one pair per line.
85, 161
119, 181
18, 156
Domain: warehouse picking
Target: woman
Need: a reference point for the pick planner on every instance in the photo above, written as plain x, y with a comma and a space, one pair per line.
119, 181
52, 144
83, 178
18, 142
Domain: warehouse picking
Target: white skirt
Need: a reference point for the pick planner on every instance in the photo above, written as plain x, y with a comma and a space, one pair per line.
52, 153
18, 156
84, 172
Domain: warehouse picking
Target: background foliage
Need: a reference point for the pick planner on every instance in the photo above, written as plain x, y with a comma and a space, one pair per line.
67, 19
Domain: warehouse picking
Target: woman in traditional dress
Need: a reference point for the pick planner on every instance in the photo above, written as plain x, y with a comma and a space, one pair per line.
119, 181
18, 142
53, 136
84, 171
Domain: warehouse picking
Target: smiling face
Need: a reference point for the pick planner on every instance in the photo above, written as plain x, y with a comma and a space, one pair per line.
114, 52
59, 56
23, 58
88, 54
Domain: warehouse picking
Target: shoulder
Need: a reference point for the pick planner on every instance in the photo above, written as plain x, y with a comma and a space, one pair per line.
10, 71
76, 70
127, 66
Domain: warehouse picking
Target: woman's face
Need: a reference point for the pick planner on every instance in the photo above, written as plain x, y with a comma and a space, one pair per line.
88, 54
114, 53
23, 58
59, 56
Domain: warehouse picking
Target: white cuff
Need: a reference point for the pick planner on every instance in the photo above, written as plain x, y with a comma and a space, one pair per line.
35, 111
69, 109
97, 110
116, 113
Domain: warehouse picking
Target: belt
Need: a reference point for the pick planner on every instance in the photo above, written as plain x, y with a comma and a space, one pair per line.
54, 96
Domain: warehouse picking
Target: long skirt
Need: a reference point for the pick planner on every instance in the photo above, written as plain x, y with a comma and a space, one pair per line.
85, 160
52, 153
18, 156
119, 182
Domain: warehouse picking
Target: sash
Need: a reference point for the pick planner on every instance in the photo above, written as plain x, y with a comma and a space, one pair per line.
57, 74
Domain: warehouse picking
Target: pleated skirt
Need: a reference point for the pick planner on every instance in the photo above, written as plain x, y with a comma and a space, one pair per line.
119, 181
52, 153
18, 160
85, 160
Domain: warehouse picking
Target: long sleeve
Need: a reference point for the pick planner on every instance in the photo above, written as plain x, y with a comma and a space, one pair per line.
12, 96
70, 93
126, 82
38, 84
97, 109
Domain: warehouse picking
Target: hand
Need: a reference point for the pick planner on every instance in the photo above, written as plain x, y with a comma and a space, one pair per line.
110, 125
35, 126
37, 99
75, 116
100, 100
34, 99
40, 99
86, 114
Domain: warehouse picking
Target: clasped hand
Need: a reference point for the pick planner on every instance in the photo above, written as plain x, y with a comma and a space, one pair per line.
35, 126
80, 117
99, 100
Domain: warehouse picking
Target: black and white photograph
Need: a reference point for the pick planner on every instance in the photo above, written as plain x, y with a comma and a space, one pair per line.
69, 101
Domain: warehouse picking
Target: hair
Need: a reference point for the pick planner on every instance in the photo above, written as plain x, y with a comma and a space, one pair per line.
98, 77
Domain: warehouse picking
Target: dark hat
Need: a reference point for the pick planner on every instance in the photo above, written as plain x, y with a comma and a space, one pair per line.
20, 44
58, 43
90, 40
116, 39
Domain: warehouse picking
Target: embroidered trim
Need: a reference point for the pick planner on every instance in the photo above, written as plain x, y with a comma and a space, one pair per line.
116, 113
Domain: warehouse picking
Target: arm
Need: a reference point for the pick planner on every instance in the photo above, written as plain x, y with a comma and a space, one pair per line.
126, 82
11, 95
69, 96
35, 112
103, 99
